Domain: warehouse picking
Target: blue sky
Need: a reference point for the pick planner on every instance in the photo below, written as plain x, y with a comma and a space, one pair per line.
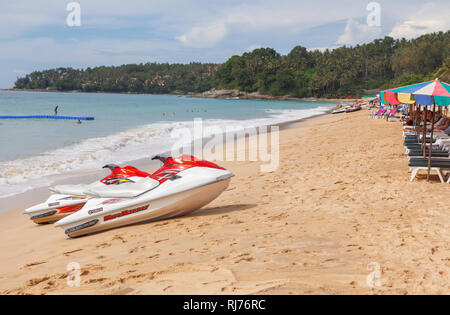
34, 35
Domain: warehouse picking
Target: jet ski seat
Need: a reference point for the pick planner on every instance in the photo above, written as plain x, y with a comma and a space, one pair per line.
69, 189
124, 190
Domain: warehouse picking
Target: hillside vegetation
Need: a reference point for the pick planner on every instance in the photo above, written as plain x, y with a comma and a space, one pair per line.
341, 72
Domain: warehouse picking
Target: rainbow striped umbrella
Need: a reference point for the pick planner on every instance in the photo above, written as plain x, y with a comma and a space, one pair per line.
426, 93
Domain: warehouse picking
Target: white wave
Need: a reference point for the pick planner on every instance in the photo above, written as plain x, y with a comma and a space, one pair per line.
20, 175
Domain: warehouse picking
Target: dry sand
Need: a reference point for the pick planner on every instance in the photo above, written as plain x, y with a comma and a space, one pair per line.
341, 199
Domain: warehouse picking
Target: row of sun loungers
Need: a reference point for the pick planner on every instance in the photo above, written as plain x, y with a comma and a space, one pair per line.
418, 154
417, 150
385, 114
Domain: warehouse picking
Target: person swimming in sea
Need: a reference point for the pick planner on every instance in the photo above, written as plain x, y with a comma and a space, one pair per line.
56, 109
79, 122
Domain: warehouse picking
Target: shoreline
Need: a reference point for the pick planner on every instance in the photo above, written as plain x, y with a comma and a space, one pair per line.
226, 94
337, 203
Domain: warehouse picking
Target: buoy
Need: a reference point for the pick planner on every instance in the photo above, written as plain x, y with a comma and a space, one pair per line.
47, 117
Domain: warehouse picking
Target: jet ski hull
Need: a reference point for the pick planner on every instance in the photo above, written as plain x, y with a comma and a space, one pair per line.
55, 208
165, 207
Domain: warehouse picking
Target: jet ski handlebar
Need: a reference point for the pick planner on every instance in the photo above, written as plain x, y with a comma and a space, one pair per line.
161, 158
112, 167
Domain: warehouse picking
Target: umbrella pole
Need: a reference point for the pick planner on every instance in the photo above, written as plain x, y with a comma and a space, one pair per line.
424, 137
431, 142
414, 119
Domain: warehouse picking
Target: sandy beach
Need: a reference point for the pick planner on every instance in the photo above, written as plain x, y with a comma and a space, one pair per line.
340, 200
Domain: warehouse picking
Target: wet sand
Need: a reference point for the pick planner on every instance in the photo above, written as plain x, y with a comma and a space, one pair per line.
340, 200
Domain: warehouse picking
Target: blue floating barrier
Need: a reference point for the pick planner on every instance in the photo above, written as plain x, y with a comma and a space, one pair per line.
47, 117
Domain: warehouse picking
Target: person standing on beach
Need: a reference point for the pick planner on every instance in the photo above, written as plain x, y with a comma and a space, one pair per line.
56, 109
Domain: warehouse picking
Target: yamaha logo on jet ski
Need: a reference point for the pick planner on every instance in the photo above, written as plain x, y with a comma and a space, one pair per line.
124, 213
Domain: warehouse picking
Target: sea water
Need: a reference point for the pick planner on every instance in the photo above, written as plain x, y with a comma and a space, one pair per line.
127, 127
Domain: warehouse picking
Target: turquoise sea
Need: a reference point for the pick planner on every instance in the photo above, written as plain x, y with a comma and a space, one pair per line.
126, 127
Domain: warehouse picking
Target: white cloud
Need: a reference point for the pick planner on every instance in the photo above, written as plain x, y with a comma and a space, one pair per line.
261, 16
253, 47
431, 18
47, 51
357, 33
205, 36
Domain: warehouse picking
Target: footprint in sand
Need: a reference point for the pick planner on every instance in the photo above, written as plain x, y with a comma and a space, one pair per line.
95, 280
153, 256
36, 281
50, 285
72, 251
118, 238
133, 250
244, 257
161, 224
104, 245
35, 263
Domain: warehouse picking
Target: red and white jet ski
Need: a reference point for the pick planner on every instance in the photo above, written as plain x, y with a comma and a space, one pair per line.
180, 186
68, 199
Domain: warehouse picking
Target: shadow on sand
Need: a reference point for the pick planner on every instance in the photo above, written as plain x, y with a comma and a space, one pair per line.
198, 213
220, 210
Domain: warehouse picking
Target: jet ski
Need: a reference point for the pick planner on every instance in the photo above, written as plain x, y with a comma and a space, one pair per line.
67, 199
182, 185
341, 108
353, 109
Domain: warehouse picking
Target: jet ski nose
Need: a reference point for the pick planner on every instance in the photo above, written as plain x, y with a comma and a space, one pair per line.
32, 209
60, 222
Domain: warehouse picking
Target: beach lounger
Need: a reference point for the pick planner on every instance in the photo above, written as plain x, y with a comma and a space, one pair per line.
414, 151
436, 149
378, 114
412, 141
374, 113
418, 153
382, 113
437, 166
391, 114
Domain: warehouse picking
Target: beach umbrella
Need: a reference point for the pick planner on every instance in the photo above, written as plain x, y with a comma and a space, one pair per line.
435, 93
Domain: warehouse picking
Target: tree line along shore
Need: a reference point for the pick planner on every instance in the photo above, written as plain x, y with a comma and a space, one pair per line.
345, 72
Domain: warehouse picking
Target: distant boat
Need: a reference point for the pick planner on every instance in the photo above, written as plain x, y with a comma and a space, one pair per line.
346, 109
353, 109
339, 110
